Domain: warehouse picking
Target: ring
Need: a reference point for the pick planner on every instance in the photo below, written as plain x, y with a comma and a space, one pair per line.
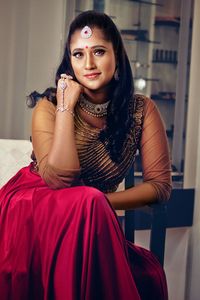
63, 76
62, 84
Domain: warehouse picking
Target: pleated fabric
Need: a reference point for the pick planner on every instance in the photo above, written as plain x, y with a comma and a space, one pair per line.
68, 244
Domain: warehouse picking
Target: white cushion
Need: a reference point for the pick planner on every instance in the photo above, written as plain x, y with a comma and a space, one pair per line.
14, 154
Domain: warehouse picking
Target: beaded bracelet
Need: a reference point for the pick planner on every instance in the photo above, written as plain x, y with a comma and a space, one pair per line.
65, 108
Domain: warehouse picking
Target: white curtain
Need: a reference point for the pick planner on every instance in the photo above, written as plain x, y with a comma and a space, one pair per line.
31, 41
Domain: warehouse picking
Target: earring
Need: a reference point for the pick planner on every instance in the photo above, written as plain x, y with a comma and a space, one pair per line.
116, 75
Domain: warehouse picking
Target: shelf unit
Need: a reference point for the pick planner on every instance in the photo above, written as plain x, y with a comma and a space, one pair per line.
164, 62
136, 35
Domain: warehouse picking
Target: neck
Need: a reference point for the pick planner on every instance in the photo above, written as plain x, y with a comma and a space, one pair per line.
97, 96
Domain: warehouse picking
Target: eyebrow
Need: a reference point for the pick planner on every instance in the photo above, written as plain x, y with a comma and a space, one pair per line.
93, 47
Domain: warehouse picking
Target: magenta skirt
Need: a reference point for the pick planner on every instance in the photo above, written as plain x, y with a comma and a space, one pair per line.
68, 244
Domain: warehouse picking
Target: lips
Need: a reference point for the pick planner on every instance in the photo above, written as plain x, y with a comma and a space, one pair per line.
92, 75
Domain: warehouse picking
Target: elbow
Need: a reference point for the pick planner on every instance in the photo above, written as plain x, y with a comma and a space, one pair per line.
163, 191
166, 192
57, 183
59, 180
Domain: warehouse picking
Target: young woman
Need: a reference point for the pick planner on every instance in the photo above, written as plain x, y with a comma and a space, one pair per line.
59, 235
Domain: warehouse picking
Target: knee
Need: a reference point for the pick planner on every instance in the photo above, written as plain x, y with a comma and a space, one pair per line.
93, 196
93, 193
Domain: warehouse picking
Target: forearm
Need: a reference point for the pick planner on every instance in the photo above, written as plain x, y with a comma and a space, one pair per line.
134, 197
63, 153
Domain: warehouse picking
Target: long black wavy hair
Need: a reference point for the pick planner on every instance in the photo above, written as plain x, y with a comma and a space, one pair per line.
120, 109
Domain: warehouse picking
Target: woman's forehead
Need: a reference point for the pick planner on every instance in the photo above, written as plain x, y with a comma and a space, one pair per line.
78, 40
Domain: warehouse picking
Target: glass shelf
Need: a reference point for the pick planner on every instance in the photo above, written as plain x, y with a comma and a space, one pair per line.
145, 2
136, 35
167, 21
147, 79
164, 96
137, 40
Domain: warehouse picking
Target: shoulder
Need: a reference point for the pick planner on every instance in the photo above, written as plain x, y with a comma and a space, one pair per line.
146, 111
151, 116
45, 106
43, 113
143, 108
144, 103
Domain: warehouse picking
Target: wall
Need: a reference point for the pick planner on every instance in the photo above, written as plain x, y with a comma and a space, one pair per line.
31, 43
192, 164
14, 29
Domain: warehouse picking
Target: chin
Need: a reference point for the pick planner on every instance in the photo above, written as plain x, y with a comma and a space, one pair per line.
96, 86
93, 87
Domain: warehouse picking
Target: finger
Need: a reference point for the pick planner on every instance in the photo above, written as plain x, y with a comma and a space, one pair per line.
63, 76
68, 80
69, 77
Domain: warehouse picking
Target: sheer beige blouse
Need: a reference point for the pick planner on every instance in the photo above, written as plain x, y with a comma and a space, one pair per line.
97, 169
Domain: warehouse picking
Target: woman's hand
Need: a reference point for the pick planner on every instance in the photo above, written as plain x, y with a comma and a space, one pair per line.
68, 91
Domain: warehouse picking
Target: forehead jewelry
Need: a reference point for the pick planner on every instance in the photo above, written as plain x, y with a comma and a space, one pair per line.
86, 32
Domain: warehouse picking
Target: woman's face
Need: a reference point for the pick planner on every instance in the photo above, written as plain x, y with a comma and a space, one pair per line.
92, 59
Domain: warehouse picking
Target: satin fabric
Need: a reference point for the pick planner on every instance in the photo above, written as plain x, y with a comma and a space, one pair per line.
68, 244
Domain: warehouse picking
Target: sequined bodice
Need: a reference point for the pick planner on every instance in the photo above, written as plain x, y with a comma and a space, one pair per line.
97, 168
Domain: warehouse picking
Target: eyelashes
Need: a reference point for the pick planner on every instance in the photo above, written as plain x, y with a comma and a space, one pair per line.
96, 52
77, 54
99, 52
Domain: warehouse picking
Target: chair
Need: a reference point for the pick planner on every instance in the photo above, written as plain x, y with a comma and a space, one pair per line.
158, 219
160, 216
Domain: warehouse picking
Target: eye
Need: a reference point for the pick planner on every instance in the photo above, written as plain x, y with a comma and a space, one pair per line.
78, 54
99, 52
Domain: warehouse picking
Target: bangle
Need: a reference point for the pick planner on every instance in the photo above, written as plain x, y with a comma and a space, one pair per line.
65, 108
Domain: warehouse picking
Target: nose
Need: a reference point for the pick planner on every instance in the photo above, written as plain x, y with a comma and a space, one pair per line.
89, 63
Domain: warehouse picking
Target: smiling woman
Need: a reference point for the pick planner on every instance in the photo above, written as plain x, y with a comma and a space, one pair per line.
59, 235
93, 62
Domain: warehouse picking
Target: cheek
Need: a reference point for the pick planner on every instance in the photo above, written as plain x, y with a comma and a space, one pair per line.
76, 68
111, 66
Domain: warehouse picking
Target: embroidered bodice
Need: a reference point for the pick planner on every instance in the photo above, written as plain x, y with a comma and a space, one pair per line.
97, 168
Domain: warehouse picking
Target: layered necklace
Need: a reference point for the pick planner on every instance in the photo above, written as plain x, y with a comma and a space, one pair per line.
95, 110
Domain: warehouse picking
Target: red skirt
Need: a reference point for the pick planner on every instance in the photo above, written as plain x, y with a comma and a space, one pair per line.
68, 244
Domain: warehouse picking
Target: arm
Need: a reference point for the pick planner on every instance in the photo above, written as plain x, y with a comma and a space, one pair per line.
54, 139
156, 168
